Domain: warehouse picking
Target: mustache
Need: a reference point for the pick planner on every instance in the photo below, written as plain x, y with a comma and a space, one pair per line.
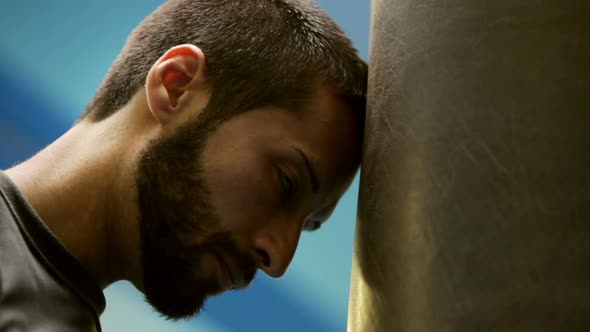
241, 263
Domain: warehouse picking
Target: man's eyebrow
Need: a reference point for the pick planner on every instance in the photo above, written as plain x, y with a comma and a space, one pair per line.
315, 184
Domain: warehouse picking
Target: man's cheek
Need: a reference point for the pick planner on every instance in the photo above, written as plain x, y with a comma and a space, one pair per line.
244, 203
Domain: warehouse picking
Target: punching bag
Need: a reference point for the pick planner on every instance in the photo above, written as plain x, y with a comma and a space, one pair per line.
474, 207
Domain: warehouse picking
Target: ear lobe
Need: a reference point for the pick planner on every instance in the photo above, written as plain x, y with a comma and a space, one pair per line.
178, 70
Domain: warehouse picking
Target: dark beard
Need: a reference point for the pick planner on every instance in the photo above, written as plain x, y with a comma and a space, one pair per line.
174, 206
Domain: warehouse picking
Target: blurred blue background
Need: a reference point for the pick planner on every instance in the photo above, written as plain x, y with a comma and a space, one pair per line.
53, 56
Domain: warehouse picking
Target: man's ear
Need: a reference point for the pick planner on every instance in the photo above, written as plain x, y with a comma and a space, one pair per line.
181, 68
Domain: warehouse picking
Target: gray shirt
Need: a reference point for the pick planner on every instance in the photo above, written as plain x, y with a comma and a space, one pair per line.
42, 286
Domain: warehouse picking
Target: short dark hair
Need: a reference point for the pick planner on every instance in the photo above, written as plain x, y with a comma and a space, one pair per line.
259, 53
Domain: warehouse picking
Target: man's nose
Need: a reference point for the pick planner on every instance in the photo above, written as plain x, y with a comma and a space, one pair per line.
275, 250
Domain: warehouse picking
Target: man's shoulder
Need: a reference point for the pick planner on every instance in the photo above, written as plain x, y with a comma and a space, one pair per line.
13, 248
11, 242
33, 297
8, 226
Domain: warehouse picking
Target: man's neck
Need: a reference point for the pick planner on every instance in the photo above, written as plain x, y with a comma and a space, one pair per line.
82, 188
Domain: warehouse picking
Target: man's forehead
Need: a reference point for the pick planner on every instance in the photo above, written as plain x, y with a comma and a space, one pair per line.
334, 134
328, 97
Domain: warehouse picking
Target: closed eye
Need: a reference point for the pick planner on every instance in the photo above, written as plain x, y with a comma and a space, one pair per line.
312, 225
287, 185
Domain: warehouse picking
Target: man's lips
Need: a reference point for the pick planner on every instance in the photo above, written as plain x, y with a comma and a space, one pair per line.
225, 277
228, 274
234, 277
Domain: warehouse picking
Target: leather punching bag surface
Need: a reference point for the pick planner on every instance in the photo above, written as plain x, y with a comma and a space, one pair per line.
474, 208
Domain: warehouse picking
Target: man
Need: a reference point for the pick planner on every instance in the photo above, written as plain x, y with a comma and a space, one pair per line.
223, 129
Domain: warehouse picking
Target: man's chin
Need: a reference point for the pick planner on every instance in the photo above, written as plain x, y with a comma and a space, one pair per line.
177, 307
178, 299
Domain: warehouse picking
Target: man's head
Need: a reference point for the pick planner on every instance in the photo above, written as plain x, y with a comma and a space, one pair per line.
258, 106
